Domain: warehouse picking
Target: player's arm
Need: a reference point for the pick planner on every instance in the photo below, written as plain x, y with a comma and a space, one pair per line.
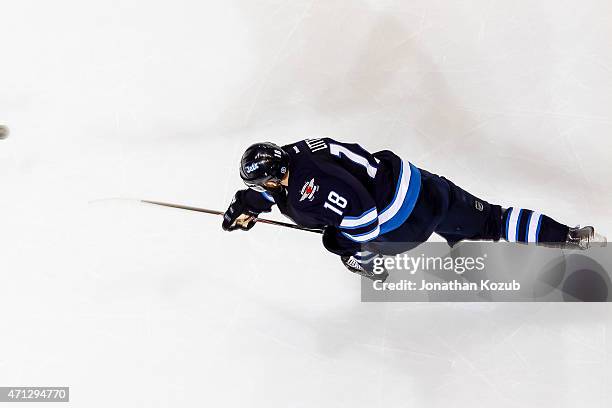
350, 214
244, 208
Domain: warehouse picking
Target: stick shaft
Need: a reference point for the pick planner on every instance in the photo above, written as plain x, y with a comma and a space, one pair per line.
215, 212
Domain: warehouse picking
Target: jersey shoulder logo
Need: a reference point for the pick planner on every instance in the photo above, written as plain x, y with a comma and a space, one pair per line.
308, 190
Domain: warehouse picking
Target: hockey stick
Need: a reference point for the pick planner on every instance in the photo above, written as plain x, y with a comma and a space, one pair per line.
215, 212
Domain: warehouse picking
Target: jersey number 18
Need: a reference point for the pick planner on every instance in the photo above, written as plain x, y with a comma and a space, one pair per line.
334, 200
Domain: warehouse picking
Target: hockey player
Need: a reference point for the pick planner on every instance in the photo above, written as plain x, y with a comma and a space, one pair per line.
364, 201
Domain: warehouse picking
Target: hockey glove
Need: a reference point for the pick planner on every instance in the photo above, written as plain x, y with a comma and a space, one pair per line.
335, 243
364, 269
238, 215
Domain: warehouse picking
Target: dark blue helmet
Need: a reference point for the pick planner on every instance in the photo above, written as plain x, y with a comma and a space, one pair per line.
263, 162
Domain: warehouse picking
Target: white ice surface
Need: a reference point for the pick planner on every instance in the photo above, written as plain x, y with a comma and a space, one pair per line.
132, 305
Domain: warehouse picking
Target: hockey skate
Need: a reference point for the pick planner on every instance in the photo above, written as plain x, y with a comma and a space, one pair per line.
584, 238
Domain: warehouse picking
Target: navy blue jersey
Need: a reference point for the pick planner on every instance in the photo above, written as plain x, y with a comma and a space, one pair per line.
362, 195
377, 203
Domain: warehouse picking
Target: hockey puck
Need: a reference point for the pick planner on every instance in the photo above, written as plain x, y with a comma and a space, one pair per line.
4, 132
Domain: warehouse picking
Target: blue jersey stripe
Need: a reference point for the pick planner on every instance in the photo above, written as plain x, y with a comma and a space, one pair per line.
365, 237
508, 213
537, 237
409, 201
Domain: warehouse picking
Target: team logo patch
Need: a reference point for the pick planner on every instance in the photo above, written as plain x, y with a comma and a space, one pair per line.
309, 190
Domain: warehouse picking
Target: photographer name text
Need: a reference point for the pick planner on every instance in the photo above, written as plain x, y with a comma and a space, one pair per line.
454, 285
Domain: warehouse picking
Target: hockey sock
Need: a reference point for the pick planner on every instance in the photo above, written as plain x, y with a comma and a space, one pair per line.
522, 225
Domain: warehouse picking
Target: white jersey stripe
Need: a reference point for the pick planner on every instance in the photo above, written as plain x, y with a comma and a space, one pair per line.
363, 220
514, 218
336, 150
363, 237
533, 227
398, 200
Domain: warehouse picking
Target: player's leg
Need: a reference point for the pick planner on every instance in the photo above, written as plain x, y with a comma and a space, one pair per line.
469, 217
528, 226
